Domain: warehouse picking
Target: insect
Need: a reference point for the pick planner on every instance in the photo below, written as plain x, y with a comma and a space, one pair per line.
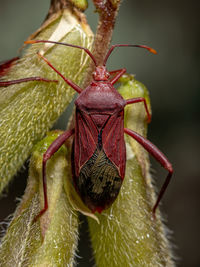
99, 153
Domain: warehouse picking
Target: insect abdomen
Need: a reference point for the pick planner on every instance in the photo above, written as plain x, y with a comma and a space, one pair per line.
99, 182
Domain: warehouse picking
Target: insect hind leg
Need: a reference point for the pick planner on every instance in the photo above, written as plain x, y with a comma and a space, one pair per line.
159, 156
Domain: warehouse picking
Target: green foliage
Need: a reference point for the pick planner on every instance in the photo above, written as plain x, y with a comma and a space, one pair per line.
81, 4
123, 235
29, 110
52, 239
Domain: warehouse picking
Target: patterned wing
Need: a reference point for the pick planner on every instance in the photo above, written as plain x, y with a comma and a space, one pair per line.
86, 139
113, 141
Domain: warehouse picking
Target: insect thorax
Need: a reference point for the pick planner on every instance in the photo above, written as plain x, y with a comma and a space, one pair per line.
100, 97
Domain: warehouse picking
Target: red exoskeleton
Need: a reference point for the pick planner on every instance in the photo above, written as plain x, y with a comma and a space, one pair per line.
99, 152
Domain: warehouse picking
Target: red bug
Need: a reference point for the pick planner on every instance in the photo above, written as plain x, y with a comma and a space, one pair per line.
99, 153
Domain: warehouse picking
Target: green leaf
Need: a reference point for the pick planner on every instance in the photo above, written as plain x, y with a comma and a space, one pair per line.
52, 239
81, 4
29, 110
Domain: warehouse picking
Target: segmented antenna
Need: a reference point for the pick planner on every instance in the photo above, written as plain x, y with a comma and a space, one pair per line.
71, 45
127, 45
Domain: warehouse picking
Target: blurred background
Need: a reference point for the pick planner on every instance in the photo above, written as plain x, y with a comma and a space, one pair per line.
172, 77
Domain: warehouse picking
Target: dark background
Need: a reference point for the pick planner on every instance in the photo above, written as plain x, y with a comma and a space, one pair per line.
171, 27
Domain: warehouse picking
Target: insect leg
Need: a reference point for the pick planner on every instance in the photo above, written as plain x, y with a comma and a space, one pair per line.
47, 155
7, 83
6, 65
69, 82
137, 100
114, 71
119, 74
159, 156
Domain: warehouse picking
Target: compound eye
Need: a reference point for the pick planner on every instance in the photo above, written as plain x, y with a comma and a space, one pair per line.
107, 74
95, 73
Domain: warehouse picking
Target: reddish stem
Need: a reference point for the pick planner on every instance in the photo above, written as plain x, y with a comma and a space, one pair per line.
107, 15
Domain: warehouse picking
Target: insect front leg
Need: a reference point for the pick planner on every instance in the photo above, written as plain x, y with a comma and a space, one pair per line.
69, 82
29, 79
47, 155
137, 100
159, 156
119, 72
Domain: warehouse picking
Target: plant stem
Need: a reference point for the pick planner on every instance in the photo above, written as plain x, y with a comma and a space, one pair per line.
107, 15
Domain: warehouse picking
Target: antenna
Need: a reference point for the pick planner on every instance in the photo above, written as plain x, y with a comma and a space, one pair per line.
127, 45
71, 45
